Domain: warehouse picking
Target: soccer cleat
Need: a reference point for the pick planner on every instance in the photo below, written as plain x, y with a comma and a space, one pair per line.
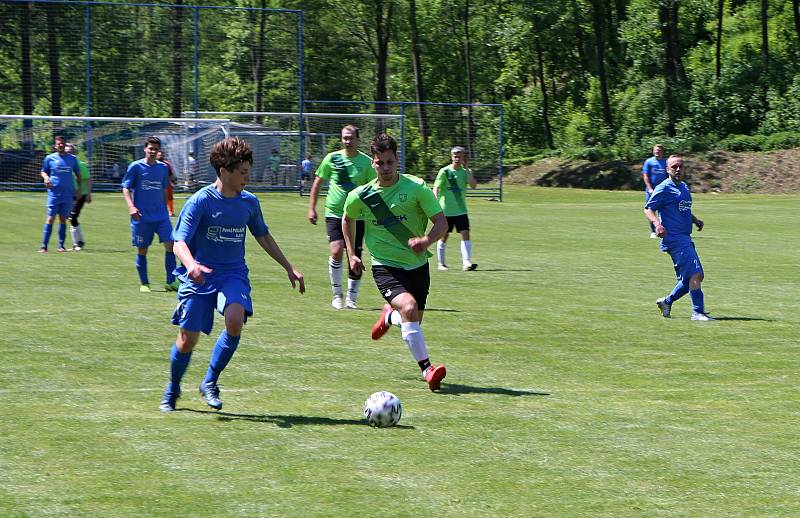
172, 286
381, 326
76, 248
62, 249
664, 307
210, 392
168, 401
702, 317
443, 268
434, 376
43, 250
470, 267
653, 235
350, 304
144, 288
336, 303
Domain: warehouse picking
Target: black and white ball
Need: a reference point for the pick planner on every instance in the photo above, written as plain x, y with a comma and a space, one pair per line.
383, 409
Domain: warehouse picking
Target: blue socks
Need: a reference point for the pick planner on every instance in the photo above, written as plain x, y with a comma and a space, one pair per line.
169, 265
178, 362
697, 301
223, 351
678, 291
141, 267
62, 235
48, 229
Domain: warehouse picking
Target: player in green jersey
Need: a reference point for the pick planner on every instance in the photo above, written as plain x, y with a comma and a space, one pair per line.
450, 188
344, 170
83, 194
396, 209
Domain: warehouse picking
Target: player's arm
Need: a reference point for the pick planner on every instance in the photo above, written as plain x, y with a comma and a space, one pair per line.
471, 179
89, 190
46, 179
269, 245
312, 200
194, 270
646, 178
352, 207
653, 218
698, 222
132, 210
420, 244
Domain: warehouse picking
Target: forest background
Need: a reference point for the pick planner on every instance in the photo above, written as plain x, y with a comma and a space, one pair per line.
586, 80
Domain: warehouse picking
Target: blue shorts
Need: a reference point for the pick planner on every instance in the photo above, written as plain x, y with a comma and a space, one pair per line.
686, 262
60, 207
196, 303
142, 232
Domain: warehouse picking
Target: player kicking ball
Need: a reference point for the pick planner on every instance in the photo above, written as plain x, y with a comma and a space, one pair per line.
396, 209
209, 241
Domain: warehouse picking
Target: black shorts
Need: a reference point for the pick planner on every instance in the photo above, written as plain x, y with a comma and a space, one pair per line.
460, 223
334, 229
393, 281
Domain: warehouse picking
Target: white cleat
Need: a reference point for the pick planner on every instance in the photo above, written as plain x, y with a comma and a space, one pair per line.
350, 304
336, 303
653, 235
664, 307
701, 317
443, 268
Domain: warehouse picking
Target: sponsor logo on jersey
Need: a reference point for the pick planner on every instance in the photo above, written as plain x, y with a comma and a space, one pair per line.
150, 185
222, 234
215, 214
684, 205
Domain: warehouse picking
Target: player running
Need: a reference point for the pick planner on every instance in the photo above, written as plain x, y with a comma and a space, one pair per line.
396, 209
209, 240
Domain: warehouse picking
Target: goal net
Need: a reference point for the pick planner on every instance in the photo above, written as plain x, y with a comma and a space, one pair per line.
107, 145
282, 140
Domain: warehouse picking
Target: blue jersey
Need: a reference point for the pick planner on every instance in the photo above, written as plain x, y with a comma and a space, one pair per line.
308, 166
148, 183
215, 227
674, 206
655, 169
61, 169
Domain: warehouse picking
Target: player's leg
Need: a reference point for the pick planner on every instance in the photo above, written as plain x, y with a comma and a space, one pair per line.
354, 280
141, 237
164, 230
441, 246
336, 243
63, 212
170, 200
462, 225
694, 271
47, 231
75, 230
652, 227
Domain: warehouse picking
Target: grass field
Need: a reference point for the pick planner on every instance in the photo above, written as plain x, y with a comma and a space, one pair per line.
567, 393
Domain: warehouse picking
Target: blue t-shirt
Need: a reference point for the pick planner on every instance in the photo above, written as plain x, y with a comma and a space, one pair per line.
308, 166
148, 183
61, 169
656, 170
674, 206
215, 227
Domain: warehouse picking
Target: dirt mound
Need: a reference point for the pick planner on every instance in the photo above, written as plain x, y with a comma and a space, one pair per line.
772, 172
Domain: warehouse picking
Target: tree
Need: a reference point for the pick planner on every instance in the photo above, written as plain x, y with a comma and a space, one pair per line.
598, 10
763, 16
540, 72
177, 59
416, 51
53, 61
718, 49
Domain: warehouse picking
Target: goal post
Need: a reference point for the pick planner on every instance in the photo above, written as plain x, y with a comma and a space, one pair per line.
107, 145
282, 140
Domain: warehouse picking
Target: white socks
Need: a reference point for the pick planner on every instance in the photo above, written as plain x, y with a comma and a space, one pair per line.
335, 274
413, 337
466, 252
441, 248
76, 234
353, 285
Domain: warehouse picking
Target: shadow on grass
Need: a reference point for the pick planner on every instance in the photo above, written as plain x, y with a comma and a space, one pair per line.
452, 388
505, 270
745, 319
282, 421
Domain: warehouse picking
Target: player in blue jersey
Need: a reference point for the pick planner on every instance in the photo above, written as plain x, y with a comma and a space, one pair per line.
57, 174
144, 188
673, 225
654, 171
209, 241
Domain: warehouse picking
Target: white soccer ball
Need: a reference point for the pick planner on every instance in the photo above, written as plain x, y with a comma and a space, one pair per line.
383, 409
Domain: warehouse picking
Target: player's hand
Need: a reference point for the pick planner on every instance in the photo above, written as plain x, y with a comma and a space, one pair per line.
660, 230
195, 273
48, 183
418, 244
356, 266
699, 223
134, 212
296, 278
312, 216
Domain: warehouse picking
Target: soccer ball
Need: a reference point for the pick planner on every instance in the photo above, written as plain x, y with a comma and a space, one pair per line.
383, 409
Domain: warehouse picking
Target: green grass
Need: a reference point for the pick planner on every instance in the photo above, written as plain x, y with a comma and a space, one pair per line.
567, 394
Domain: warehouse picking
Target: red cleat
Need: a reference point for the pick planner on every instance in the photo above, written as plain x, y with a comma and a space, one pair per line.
434, 376
380, 327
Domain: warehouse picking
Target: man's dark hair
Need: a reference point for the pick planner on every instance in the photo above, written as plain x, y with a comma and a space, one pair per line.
152, 140
381, 143
229, 152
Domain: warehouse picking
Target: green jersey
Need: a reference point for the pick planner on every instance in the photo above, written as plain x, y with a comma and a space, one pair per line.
452, 187
392, 216
84, 187
343, 175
